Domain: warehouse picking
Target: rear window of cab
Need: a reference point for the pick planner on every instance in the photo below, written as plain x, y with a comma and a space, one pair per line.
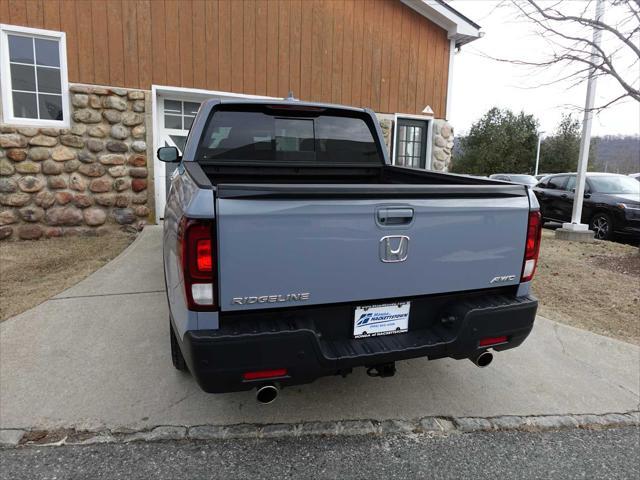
283, 135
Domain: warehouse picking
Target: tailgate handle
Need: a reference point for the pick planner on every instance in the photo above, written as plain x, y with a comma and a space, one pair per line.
395, 216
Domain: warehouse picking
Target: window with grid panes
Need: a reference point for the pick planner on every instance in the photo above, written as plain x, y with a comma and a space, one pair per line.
411, 143
34, 76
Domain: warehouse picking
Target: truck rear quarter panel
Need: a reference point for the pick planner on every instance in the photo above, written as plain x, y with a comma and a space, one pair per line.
185, 199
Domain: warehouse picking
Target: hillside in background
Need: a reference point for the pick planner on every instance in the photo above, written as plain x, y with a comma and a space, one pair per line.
618, 154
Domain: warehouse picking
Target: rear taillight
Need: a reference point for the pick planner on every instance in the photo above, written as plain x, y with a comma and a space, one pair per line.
196, 253
534, 231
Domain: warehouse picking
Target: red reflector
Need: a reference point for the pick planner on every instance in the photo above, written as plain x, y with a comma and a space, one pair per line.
485, 342
204, 255
279, 372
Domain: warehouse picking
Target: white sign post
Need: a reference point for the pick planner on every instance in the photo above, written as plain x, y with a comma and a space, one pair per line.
538, 153
577, 230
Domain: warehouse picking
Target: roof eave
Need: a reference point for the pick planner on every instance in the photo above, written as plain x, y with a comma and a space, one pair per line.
459, 28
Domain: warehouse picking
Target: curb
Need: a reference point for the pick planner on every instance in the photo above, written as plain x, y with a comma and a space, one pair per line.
428, 425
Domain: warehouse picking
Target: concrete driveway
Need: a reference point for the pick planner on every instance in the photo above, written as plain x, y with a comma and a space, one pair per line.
97, 356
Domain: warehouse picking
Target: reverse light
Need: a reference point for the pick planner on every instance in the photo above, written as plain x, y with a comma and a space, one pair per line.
488, 342
263, 374
202, 293
532, 248
196, 252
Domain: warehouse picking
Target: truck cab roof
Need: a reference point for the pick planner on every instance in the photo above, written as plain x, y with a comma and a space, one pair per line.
285, 102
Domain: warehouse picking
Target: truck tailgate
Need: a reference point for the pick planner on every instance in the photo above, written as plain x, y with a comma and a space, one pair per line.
305, 245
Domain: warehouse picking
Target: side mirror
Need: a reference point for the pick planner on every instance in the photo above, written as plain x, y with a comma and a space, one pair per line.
168, 154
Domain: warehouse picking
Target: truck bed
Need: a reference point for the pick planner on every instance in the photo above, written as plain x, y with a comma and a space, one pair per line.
260, 180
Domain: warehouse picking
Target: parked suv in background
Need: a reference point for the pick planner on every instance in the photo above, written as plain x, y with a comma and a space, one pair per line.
611, 202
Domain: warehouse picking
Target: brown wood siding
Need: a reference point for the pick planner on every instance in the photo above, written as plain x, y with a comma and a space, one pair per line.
375, 53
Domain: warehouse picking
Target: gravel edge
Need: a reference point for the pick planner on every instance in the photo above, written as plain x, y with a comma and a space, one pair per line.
10, 438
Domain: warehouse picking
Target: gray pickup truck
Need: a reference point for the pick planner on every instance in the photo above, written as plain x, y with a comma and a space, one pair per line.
293, 249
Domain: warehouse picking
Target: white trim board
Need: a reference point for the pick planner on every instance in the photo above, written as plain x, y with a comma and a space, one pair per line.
458, 27
452, 55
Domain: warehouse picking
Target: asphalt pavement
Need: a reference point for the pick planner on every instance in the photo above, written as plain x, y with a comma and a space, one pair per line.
564, 454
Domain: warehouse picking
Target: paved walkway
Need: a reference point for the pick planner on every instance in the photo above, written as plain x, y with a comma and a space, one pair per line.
97, 356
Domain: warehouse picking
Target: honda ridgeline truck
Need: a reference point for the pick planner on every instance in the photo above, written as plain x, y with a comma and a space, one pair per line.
293, 249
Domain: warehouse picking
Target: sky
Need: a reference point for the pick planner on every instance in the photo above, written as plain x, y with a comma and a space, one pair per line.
480, 83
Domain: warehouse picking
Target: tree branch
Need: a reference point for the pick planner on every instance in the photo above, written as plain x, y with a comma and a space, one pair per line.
608, 104
569, 48
584, 21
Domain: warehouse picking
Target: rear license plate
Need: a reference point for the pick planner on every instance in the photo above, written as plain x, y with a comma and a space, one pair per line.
374, 320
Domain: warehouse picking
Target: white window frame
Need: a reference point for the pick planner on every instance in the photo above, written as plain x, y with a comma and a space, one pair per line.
5, 76
426, 118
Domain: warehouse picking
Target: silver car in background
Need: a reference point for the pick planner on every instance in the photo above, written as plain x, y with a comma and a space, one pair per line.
522, 179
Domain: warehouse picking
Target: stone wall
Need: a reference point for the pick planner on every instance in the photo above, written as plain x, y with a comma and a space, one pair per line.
83, 180
442, 145
386, 125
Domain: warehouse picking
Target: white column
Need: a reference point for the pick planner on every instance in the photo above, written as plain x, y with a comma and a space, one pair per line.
585, 140
538, 153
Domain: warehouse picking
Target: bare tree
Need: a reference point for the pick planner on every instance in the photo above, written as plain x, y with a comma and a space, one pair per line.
568, 29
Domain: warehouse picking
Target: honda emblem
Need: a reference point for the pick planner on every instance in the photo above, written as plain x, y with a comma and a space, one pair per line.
394, 248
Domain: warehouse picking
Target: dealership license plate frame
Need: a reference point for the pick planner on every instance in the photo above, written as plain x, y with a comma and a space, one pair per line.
398, 323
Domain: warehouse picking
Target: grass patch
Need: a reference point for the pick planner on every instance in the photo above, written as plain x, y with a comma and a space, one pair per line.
34, 271
595, 286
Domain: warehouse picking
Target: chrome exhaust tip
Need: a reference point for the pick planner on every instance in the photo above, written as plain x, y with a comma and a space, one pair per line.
483, 360
267, 394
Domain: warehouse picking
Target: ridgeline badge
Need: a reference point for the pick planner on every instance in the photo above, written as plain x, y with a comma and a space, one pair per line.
289, 297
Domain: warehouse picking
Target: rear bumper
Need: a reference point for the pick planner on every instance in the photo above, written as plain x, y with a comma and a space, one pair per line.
301, 343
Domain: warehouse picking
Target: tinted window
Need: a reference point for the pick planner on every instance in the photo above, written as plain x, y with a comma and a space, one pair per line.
249, 135
571, 184
557, 183
543, 182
